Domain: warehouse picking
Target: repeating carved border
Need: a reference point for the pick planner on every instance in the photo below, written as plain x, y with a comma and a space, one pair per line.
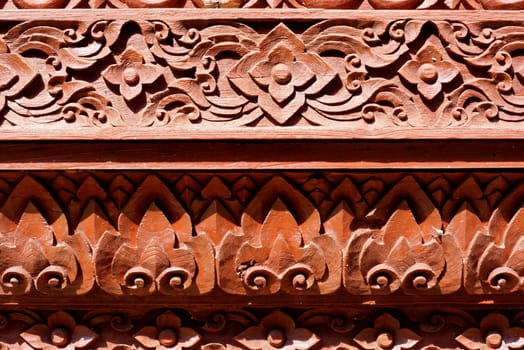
214, 329
427, 76
299, 4
179, 234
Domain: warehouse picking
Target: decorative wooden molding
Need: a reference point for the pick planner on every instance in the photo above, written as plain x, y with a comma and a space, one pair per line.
171, 76
261, 174
300, 4
302, 234
259, 329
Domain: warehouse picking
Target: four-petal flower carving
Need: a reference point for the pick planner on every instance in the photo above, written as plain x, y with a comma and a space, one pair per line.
131, 74
428, 70
387, 334
168, 334
281, 74
494, 333
277, 331
61, 332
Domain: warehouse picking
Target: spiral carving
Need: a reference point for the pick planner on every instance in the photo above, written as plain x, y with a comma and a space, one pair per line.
383, 279
139, 281
16, 280
174, 280
420, 277
504, 280
259, 278
51, 279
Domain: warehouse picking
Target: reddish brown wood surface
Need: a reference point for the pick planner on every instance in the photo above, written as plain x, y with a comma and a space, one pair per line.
261, 74
261, 174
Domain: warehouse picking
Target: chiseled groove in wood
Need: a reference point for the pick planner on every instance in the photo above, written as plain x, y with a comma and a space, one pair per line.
281, 155
227, 301
286, 133
269, 15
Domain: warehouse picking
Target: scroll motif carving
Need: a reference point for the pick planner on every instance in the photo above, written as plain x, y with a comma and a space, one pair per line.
170, 234
154, 250
400, 75
258, 329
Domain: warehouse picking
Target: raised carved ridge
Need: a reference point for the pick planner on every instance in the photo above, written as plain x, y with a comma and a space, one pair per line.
228, 4
173, 234
414, 75
214, 329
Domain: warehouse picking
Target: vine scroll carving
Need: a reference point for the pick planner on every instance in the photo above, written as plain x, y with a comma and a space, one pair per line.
186, 77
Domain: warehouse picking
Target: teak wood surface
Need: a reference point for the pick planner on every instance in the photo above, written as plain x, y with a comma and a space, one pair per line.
261, 174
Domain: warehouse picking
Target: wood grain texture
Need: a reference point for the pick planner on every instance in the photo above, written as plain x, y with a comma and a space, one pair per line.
262, 155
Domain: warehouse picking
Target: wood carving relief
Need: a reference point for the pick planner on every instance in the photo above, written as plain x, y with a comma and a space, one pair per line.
186, 76
228, 4
348, 329
261, 174
261, 234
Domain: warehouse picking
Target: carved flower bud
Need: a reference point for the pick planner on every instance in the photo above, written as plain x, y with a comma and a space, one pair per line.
130, 76
428, 73
494, 340
276, 338
385, 340
281, 73
60, 337
167, 337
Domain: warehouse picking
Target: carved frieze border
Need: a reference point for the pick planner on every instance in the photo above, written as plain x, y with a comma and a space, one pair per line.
271, 4
177, 235
214, 329
170, 75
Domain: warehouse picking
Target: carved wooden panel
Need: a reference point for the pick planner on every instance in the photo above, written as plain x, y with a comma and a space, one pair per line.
256, 234
405, 75
261, 329
261, 174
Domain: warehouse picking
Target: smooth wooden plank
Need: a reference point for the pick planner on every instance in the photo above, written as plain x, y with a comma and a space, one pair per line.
262, 155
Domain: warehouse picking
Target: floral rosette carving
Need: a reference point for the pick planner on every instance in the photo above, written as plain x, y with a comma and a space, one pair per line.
387, 334
279, 247
37, 252
494, 259
60, 332
409, 252
428, 71
277, 331
494, 332
131, 74
154, 251
281, 74
167, 334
